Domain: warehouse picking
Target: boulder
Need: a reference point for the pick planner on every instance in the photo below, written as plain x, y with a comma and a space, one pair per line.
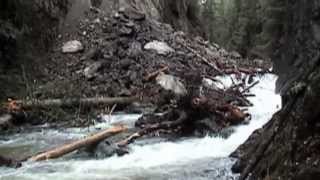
162, 48
72, 47
171, 83
91, 71
133, 14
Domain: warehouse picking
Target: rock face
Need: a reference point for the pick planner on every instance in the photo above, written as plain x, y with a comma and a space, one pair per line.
288, 146
26, 29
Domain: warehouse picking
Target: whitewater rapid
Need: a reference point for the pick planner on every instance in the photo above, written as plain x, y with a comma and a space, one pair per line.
196, 158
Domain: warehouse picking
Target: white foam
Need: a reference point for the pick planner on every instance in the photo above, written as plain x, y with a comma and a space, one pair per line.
148, 157
266, 103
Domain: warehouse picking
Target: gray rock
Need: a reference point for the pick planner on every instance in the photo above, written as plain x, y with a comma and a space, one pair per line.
92, 70
162, 48
235, 54
72, 47
130, 24
125, 31
171, 83
134, 15
135, 49
105, 149
6, 121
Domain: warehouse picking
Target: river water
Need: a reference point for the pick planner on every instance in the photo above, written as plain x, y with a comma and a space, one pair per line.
195, 158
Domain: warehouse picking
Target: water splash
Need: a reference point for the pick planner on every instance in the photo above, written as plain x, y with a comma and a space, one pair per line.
163, 160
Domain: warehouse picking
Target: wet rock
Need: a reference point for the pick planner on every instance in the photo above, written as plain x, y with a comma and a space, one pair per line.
9, 162
206, 126
171, 83
6, 121
106, 149
161, 47
72, 47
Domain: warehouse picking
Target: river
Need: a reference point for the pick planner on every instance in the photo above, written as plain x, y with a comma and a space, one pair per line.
195, 158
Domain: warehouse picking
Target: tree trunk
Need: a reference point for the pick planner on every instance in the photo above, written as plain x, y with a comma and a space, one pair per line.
85, 102
68, 148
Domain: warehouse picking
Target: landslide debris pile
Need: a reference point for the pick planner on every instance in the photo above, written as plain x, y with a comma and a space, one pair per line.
128, 54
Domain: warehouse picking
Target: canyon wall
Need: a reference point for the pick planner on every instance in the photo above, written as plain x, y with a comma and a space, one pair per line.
288, 146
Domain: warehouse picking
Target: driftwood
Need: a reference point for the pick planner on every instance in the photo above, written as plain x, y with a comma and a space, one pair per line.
250, 87
85, 102
155, 127
238, 70
68, 148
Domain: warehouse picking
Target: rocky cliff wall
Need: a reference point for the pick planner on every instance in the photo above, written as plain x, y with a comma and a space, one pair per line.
288, 146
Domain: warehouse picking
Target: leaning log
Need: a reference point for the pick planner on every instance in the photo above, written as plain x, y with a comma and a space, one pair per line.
84, 102
68, 148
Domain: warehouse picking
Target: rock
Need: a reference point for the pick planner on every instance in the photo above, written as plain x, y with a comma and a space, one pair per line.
116, 15
210, 84
135, 49
122, 9
206, 126
259, 62
91, 71
171, 83
125, 31
9, 162
235, 54
161, 47
133, 14
93, 53
105, 149
72, 47
6, 121
130, 24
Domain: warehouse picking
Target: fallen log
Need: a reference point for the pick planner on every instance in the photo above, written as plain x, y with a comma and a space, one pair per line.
68, 148
84, 102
